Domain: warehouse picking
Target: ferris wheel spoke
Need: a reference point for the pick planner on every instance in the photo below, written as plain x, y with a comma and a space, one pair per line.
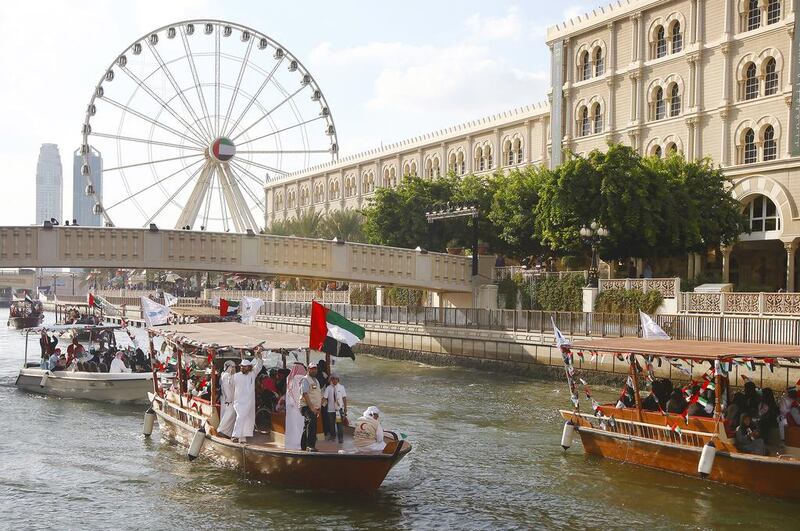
174, 194
150, 162
279, 131
148, 187
198, 87
216, 81
192, 207
161, 102
178, 91
287, 98
245, 214
255, 96
285, 151
263, 166
248, 173
238, 84
147, 141
146, 118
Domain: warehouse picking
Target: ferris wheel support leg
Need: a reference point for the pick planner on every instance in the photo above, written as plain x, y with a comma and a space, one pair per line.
230, 200
192, 208
233, 180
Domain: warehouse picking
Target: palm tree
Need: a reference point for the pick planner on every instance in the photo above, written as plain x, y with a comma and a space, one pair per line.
343, 224
307, 225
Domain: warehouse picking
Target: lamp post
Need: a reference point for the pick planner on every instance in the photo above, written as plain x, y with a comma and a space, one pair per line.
593, 234
461, 211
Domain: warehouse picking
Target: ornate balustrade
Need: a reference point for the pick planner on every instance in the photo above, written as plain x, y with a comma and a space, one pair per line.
668, 287
742, 303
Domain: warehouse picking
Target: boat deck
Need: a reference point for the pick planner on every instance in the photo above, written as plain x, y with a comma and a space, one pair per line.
323, 446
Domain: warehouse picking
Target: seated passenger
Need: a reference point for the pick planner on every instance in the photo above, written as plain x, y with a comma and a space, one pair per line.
676, 403
368, 433
752, 399
748, 440
117, 365
661, 390
768, 417
790, 410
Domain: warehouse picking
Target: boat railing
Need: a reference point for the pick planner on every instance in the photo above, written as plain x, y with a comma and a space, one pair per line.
183, 414
695, 439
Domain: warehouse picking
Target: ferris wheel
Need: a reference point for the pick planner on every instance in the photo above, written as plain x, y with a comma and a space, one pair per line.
192, 119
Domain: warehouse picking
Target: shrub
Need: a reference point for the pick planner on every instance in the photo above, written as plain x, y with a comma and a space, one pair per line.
362, 295
554, 294
507, 290
627, 301
403, 297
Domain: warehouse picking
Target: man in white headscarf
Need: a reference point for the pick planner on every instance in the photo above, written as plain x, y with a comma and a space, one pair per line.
368, 433
294, 419
227, 415
244, 399
117, 365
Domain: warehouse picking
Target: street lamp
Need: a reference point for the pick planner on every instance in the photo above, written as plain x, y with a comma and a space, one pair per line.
460, 211
593, 234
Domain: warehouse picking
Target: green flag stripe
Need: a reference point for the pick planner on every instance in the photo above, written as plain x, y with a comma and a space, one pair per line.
335, 319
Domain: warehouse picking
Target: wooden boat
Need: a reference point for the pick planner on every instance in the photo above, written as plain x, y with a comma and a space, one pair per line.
191, 422
82, 384
90, 315
25, 313
697, 446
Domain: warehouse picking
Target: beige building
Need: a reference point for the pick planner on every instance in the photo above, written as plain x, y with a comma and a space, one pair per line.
703, 77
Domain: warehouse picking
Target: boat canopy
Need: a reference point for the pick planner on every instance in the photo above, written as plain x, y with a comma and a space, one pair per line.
705, 350
230, 334
74, 326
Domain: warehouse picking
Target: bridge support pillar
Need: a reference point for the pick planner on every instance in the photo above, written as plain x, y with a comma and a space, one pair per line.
276, 294
486, 297
380, 293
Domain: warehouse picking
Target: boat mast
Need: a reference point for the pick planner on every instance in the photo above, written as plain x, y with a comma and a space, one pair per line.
717, 392
636, 396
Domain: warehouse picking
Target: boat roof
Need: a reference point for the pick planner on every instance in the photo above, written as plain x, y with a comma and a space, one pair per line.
230, 334
74, 326
674, 348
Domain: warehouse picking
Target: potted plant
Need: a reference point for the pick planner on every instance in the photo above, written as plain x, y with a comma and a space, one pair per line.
454, 247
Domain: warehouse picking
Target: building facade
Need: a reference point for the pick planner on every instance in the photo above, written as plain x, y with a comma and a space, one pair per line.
82, 203
706, 78
49, 184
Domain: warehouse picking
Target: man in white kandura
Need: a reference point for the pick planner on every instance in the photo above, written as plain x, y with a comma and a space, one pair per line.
244, 399
227, 415
368, 433
117, 365
294, 419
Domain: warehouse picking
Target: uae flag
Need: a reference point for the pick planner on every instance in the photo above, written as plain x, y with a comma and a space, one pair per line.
228, 308
333, 334
223, 149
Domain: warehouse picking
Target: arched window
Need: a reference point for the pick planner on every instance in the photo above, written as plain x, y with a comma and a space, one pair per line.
437, 171
770, 145
770, 77
672, 147
585, 67
489, 160
597, 119
753, 15
657, 152
773, 11
585, 124
660, 104
750, 149
661, 42
518, 149
674, 100
480, 160
508, 153
599, 62
750, 82
763, 214
677, 38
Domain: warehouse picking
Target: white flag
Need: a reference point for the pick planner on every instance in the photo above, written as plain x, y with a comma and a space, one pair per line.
249, 308
154, 313
42, 296
650, 330
215, 302
561, 341
170, 299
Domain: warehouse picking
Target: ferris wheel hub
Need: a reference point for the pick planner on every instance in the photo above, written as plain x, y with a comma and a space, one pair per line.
222, 149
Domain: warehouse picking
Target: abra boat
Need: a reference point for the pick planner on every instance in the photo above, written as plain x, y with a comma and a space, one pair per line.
683, 444
89, 382
191, 422
25, 313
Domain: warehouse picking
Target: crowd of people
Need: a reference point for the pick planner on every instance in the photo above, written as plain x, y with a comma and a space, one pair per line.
307, 395
26, 308
106, 356
753, 416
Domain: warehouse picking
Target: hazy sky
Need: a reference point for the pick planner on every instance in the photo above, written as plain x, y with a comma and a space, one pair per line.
389, 70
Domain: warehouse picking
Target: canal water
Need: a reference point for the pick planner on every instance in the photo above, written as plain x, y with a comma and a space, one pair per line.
486, 456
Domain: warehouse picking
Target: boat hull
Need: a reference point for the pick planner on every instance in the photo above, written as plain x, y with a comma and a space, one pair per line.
21, 323
289, 468
770, 476
104, 387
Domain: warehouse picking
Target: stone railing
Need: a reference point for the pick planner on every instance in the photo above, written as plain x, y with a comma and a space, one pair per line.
282, 295
668, 287
742, 303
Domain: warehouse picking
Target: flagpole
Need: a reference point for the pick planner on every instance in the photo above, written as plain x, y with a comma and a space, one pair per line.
637, 398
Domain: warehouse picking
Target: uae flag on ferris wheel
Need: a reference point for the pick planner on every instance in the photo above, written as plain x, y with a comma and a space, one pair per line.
223, 149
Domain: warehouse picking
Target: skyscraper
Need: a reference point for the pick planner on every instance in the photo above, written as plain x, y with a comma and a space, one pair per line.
82, 204
49, 185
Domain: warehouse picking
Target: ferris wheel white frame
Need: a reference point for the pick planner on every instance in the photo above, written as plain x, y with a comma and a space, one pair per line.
203, 131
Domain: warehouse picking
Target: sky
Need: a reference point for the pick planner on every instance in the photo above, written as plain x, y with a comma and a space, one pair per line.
389, 70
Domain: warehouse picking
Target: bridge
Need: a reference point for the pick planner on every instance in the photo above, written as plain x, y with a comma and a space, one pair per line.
257, 254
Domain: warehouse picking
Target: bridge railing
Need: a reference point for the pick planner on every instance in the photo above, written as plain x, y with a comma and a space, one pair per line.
746, 329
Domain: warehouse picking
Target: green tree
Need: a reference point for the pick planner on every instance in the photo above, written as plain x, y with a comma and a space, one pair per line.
512, 211
396, 216
343, 224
